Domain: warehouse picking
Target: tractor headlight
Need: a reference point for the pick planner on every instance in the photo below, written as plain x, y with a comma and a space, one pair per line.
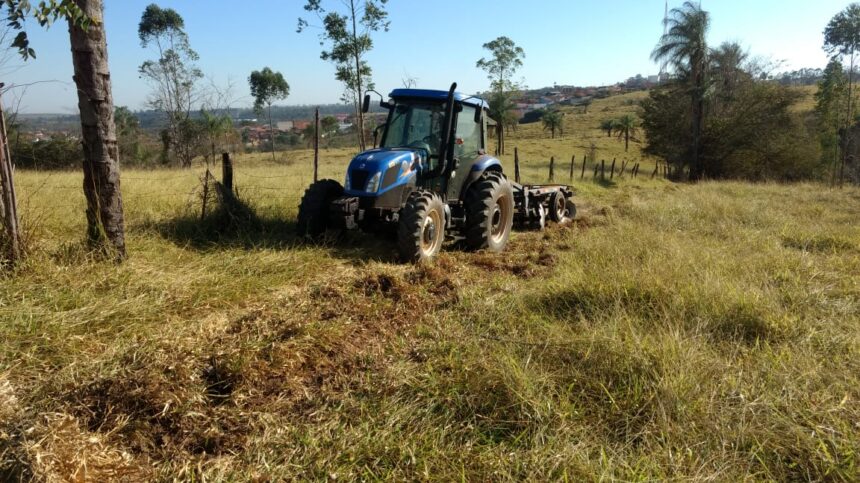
373, 184
346, 183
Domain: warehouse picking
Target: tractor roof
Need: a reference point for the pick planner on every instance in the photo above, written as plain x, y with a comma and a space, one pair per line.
434, 95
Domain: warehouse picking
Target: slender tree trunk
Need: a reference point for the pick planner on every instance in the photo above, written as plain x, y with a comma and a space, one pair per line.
847, 137
361, 144
271, 132
626, 140
105, 224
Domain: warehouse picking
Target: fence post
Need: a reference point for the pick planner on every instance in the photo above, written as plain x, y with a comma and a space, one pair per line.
551, 168
516, 165
572, 160
316, 143
227, 172
623, 167
602, 170
656, 166
7, 194
584, 162
205, 194
612, 169
596, 167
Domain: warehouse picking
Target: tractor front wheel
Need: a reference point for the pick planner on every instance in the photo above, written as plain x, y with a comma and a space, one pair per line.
314, 209
421, 229
489, 212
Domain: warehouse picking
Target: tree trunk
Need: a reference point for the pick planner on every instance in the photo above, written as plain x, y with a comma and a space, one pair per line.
626, 140
271, 132
361, 144
105, 225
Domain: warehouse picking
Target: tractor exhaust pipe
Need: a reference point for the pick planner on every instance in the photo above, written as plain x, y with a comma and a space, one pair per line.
447, 137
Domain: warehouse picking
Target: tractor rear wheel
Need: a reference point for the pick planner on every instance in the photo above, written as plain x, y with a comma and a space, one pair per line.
489, 212
314, 209
421, 229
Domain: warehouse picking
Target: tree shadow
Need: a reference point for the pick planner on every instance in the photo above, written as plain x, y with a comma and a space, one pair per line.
236, 225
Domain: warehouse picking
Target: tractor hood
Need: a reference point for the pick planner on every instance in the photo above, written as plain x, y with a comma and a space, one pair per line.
376, 171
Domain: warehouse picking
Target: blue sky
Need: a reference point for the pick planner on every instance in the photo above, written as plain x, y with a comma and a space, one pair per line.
582, 42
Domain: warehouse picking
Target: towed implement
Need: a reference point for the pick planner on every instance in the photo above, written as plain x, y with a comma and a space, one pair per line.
431, 180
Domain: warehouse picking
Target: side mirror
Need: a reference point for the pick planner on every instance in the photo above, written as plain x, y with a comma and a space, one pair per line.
478, 112
365, 106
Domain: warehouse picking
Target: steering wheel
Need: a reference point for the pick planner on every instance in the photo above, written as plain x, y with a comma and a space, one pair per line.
422, 144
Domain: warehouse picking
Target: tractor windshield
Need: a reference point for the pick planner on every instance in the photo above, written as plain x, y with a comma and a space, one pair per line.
415, 125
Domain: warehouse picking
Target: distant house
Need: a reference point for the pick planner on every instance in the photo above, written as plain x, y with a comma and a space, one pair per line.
300, 125
284, 125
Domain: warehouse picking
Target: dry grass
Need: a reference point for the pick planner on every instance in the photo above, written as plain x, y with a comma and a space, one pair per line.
672, 332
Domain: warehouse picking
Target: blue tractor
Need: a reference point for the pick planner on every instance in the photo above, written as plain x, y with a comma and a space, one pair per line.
431, 180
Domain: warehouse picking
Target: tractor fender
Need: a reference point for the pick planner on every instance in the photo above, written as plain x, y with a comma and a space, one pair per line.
481, 165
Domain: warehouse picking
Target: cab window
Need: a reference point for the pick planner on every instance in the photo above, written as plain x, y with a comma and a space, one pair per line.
468, 137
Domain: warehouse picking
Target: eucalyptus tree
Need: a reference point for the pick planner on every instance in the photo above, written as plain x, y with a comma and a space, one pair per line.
685, 48
105, 221
842, 38
172, 75
829, 101
268, 86
347, 26
506, 58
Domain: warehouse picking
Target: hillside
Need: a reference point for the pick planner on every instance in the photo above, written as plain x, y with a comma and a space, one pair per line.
671, 332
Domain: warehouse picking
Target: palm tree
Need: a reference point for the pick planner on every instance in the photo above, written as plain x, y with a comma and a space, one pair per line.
608, 125
626, 126
684, 47
553, 120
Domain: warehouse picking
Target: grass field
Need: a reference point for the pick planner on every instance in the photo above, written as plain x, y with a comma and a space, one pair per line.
672, 332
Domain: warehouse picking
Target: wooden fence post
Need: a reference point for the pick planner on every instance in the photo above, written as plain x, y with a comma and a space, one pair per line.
623, 167
516, 165
596, 168
656, 166
8, 201
227, 172
602, 170
612, 169
572, 160
316, 143
584, 162
551, 168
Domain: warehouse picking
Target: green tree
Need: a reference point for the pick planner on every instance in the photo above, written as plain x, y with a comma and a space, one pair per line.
608, 125
842, 38
685, 48
214, 127
268, 86
172, 75
553, 120
507, 57
829, 100
105, 219
626, 126
128, 134
586, 103
348, 34
328, 128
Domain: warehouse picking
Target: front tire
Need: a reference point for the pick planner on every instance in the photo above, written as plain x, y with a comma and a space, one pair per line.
313, 217
421, 229
489, 213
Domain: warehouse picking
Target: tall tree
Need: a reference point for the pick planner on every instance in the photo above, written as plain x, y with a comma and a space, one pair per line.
172, 75
268, 86
507, 57
608, 125
626, 126
829, 100
105, 222
842, 38
348, 34
685, 48
553, 120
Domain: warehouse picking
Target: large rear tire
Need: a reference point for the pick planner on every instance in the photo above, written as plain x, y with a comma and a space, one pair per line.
313, 217
489, 213
421, 229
